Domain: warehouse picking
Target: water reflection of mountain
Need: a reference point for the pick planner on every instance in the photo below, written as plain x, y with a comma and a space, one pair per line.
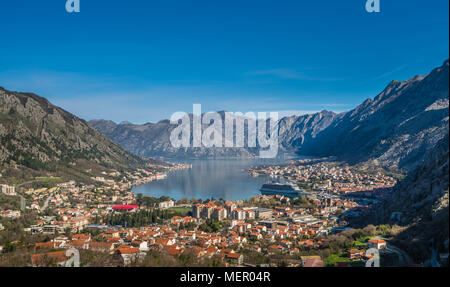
220, 178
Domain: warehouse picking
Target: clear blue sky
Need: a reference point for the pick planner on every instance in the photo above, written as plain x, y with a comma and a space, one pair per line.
143, 60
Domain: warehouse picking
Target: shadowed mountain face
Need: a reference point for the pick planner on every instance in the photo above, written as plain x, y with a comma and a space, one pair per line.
40, 136
423, 194
421, 202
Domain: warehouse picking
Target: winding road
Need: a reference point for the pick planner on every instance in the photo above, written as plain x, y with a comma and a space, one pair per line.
403, 257
44, 207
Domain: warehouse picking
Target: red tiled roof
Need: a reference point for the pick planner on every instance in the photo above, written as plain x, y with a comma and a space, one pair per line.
43, 259
233, 255
125, 207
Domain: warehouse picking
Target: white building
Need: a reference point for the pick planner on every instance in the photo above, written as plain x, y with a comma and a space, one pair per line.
238, 214
377, 243
8, 190
166, 204
10, 213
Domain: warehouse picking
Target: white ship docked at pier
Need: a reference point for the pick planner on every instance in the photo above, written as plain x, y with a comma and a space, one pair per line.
274, 188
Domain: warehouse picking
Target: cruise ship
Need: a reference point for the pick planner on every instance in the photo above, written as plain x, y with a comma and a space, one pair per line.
274, 188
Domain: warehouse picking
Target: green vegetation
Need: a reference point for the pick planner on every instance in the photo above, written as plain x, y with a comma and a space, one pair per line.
211, 225
253, 257
182, 211
137, 219
149, 201
336, 246
46, 181
302, 202
9, 202
384, 229
360, 243
156, 258
333, 258
28, 160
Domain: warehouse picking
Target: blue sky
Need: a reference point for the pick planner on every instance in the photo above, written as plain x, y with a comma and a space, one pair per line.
143, 60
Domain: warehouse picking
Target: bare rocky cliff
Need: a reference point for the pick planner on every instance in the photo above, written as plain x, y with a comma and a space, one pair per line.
396, 129
37, 135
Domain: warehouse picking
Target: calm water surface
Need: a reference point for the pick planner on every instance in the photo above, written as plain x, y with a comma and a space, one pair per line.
217, 178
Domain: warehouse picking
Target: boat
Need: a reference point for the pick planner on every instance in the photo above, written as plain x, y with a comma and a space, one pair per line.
274, 188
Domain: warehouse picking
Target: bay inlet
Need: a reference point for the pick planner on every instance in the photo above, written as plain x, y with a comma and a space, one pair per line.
212, 178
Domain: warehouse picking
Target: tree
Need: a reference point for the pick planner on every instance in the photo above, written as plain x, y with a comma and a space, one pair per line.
139, 199
370, 230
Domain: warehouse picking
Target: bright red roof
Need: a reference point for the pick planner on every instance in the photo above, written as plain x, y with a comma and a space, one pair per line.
125, 207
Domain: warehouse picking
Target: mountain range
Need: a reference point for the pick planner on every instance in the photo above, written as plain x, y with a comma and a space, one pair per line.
396, 129
153, 139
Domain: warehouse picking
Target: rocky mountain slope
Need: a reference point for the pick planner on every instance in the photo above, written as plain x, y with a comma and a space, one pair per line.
153, 139
421, 202
37, 135
295, 131
398, 128
424, 192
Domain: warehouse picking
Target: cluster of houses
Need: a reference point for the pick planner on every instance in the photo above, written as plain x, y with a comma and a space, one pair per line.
51, 226
279, 227
133, 244
265, 236
13, 214
328, 176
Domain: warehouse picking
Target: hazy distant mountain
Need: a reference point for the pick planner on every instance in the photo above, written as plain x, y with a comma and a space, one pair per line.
40, 136
398, 128
153, 140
